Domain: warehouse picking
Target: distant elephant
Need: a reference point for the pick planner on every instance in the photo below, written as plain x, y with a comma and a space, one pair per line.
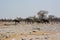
44, 21
16, 21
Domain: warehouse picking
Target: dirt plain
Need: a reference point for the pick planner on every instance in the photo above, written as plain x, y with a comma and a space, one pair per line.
22, 31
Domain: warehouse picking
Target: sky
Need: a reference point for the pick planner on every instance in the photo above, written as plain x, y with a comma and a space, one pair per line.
25, 8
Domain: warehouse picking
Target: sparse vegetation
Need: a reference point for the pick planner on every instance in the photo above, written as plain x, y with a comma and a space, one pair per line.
42, 18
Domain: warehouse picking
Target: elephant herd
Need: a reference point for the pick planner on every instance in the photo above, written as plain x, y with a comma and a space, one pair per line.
27, 20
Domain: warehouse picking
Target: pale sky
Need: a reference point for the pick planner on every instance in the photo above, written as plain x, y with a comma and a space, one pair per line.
25, 8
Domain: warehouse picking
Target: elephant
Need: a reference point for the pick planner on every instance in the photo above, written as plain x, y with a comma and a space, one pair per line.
44, 20
16, 21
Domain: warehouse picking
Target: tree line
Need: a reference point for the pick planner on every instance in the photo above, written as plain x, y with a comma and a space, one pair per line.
43, 17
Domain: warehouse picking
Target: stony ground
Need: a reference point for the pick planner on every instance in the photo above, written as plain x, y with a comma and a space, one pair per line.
10, 31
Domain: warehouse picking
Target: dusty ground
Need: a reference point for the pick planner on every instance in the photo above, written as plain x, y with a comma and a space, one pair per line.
22, 31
